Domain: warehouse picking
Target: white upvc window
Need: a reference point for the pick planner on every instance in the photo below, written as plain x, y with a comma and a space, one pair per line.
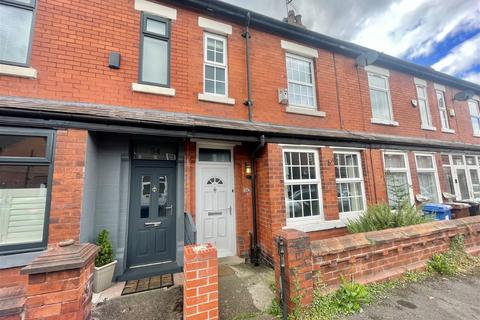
380, 97
303, 197
475, 116
349, 180
462, 175
397, 178
422, 98
442, 108
301, 81
428, 177
215, 65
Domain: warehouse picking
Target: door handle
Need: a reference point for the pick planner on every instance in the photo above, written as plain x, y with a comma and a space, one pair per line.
230, 209
152, 224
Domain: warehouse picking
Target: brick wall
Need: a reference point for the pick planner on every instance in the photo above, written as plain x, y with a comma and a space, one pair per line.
72, 40
368, 257
200, 288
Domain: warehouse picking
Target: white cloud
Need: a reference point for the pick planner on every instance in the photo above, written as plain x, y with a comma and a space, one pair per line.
472, 77
461, 58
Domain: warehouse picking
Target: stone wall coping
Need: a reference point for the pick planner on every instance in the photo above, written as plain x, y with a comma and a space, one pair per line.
199, 252
363, 240
75, 256
12, 300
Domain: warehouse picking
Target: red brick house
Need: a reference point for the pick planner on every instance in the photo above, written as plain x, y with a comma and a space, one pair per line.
123, 115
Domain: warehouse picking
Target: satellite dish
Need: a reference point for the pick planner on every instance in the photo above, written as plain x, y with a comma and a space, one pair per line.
366, 58
463, 95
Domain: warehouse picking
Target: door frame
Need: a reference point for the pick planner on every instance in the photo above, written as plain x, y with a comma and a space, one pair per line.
231, 173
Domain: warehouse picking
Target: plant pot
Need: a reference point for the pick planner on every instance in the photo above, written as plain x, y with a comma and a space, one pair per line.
102, 276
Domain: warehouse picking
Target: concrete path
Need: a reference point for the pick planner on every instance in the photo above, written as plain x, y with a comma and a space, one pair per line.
438, 299
244, 290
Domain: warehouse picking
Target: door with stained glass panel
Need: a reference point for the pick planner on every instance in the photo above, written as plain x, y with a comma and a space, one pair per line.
152, 215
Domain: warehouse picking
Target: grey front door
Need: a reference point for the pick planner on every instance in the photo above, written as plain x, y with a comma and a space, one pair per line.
152, 225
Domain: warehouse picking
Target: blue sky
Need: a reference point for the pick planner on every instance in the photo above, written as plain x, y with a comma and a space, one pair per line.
443, 34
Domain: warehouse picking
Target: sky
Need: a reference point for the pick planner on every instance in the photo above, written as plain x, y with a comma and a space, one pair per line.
442, 34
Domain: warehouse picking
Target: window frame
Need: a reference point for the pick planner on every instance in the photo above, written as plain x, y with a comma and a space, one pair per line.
224, 39
434, 170
31, 7
429, 124
144, 33
387, 90
318, 181
311, 61
23, 161
348, 180
477, 103
399, 170
442, 110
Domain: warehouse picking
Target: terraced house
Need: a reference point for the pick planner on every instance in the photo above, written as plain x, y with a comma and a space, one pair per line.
125, 115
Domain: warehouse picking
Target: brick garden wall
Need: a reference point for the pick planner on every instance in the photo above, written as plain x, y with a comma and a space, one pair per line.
367, 257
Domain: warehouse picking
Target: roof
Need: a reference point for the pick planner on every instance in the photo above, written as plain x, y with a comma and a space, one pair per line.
149, 118
237, 14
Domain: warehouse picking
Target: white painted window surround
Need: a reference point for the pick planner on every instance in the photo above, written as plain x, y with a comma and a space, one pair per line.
217, 99
16, 71
145, 88
299, 49
215, 26
381, 102
156, 9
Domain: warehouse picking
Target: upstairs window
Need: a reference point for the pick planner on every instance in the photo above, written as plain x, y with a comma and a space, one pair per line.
16, 25
422, 99
301, 83
475, 116
380, 97
215, 64
349, 179
442, 108
155, 51
427, 177
302, 183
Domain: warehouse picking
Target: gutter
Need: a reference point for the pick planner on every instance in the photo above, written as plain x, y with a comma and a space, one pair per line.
261, 22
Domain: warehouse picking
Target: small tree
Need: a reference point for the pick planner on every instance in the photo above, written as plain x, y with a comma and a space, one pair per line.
105, 255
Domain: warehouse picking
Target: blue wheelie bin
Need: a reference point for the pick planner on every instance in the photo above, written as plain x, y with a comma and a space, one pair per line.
438, 211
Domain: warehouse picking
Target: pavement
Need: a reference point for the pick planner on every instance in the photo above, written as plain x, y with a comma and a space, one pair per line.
438, 299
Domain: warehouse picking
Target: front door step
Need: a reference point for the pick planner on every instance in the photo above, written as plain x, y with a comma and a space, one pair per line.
150, 271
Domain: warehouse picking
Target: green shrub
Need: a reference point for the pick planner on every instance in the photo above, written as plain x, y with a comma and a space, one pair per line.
350, 296
105, 255
441, 263
382, 216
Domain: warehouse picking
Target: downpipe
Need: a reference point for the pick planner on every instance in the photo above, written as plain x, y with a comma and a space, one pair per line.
254, 254
283, 298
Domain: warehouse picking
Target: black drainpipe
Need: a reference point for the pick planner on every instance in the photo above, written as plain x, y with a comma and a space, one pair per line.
246, 35
255, 250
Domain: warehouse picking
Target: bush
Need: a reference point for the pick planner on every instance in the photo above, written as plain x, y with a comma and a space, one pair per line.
351, 296
105, 255
382, 216
442, 264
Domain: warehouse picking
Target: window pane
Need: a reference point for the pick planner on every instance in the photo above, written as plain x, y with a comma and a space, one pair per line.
214, 155
157, 27
220, 88
428, 186
424, 115
457, 160
471, 161
145, 197
209, 86
449, 177
163, 209
377, 81
380, 106
475, 183
23, 146
394, 161
15, 28
397, 188
155, 61
424, 162
23, 196
473, 107
463, 184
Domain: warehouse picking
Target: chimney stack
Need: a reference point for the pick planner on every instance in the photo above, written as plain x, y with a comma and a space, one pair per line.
294, 19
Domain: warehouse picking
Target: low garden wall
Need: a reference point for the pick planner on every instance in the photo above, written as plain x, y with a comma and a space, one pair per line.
364, 257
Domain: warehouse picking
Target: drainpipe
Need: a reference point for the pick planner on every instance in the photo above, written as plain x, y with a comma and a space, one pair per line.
246, 35
255, 250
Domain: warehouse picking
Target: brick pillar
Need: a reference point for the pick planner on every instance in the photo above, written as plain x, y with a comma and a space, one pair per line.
200, 289
329, 185
60, 283
298, 267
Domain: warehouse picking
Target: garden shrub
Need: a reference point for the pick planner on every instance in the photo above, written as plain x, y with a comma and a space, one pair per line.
105, 255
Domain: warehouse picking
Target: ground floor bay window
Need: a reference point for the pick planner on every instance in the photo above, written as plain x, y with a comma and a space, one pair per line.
25, 178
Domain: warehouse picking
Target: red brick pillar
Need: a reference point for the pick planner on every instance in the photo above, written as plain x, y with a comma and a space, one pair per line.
329, 185
298, 267
200, 289
60, 283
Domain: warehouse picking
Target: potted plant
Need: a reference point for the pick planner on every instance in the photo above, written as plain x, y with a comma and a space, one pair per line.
104, 263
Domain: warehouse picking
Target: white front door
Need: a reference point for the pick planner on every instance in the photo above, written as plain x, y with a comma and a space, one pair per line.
215, 210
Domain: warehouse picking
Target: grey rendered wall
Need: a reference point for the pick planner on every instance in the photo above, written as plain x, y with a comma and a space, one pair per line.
87, 218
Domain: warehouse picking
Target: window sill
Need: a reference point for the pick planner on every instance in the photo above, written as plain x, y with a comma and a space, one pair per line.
18, 259
16, 71
315, 225
385, 122
448, 130
211, 98
477, 135
305, 111
145, 88
429, 128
